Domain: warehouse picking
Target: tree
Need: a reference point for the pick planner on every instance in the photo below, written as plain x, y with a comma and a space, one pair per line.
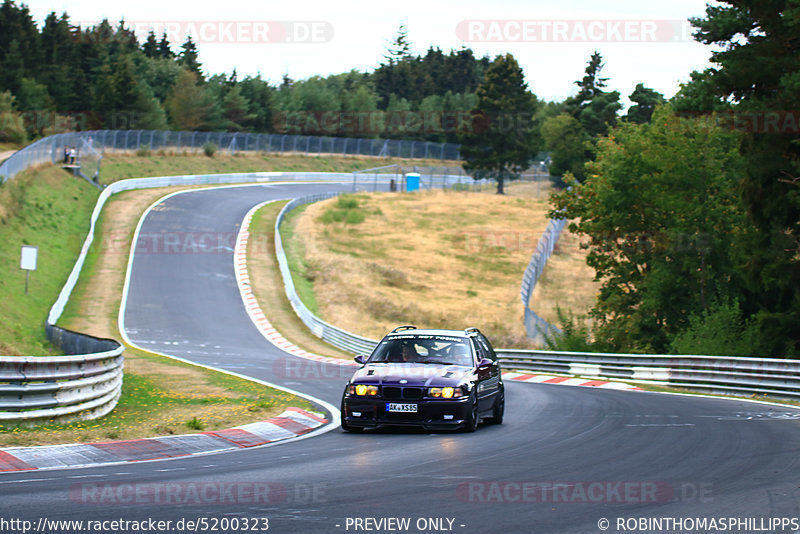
646, 100
235, 110
502, 142
150, 46
188, 57
188, 104
12, 126
590, 86
61, 54
600, 113
262, 104
164, 50
400, 49
664, 223
757, 60
565, 139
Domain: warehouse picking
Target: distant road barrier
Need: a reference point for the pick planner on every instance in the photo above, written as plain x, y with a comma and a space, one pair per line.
535, 326
51, 149
715, 374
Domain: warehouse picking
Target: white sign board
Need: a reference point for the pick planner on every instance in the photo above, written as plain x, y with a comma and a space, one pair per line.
27, 260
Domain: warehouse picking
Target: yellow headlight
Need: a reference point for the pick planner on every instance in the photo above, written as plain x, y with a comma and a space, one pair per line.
444, 393
364, 389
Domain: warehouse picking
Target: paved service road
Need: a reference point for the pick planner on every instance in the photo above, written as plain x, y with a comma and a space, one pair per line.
565, 459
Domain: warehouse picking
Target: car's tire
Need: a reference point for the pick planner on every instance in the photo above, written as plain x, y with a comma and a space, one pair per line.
471, 424
350, 428
499, 408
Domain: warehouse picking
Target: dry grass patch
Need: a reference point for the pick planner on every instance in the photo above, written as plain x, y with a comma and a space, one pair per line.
566, 283
436, 259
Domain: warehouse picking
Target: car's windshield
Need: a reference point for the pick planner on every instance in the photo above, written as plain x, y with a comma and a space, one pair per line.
433, 349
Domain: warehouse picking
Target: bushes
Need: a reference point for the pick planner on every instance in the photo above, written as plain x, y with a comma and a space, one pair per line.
719, 331
210, 149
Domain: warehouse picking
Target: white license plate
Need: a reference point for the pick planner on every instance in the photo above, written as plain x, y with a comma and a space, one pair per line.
397, 407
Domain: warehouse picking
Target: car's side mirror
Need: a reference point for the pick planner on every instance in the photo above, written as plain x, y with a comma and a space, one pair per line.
485, 364
361, 359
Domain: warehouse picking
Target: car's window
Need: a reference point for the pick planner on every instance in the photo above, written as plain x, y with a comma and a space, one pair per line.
487, 348
434, 349
480, 350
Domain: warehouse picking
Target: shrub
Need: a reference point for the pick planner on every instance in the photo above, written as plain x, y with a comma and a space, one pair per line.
718, 331
210, 149
195, 424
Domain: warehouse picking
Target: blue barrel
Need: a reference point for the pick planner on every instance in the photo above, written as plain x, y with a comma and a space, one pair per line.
412, 181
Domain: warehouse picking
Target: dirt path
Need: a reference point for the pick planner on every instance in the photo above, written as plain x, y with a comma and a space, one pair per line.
5, 155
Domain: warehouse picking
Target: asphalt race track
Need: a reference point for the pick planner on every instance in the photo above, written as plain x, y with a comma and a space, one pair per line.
565, 459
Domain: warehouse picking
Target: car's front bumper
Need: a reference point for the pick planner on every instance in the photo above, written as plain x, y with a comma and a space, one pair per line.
368, 412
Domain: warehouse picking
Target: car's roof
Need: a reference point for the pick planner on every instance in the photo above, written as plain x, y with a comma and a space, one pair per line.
428, 332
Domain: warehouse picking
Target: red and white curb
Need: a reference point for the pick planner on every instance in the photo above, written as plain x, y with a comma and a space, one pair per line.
567, 381
252, 307
290, 424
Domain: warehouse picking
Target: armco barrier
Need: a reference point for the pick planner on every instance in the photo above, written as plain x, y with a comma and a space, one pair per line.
715, 374
81, 386
335, 336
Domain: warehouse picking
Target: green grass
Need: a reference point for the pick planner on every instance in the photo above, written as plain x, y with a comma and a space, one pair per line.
303, 273
346, 209
119, 166
48, 209
147, 408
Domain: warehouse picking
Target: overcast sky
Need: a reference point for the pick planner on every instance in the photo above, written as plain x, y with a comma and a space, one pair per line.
640, 41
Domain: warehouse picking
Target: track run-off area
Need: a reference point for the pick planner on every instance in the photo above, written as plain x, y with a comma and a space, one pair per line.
566, 459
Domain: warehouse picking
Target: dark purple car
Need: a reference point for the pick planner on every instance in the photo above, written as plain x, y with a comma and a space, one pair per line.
436, 379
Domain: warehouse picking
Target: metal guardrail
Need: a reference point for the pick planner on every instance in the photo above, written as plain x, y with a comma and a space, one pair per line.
335, 336
715, 374
83, 386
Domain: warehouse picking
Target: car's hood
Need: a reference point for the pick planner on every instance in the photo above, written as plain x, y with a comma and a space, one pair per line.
414, 374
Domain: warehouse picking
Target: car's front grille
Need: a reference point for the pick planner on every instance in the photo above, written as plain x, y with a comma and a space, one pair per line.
397, 393
412, 393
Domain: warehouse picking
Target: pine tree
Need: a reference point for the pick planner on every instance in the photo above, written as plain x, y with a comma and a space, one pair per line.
189, 58
164, 49
502, 143
150, 46
590, 86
